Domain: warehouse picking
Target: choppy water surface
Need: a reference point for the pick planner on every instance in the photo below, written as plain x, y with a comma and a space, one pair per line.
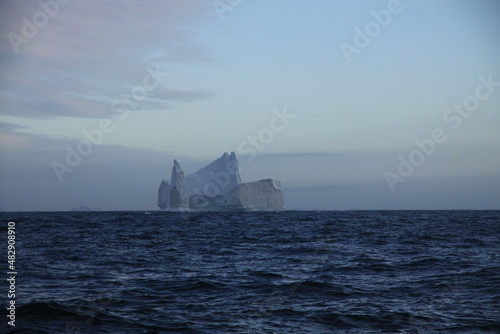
283, 272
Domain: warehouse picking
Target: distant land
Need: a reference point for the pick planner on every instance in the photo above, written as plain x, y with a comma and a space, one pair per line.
85, 208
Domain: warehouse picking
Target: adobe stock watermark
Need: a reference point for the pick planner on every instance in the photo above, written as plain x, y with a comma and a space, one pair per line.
363, 37
48, 10
120, 107
219, 181
224, 6
454, 118
253, 144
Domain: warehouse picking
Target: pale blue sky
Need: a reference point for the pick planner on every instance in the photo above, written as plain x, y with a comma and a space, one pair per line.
353, 119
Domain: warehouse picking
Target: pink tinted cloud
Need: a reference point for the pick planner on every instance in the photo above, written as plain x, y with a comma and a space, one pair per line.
95, 47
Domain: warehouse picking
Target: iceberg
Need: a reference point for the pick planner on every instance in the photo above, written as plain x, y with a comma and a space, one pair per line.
218, 178
218, 187
179, 198
164, 195
263, 195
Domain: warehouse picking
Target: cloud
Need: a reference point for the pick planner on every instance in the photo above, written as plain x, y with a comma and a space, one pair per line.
9, 126
91, 52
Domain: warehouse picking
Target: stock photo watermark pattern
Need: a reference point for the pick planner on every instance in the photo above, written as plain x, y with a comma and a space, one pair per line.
453, 117
363, 37
221, 7
257, 143
12, 273
32, 26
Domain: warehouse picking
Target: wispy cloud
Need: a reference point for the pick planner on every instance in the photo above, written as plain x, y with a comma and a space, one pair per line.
9, 126
90, 52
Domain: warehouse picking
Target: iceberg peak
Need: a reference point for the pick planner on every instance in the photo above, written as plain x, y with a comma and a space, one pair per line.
179, 197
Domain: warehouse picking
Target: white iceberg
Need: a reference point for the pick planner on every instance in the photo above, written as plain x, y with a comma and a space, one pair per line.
218, 187
179, 198
263, 195
164, 195
218, 178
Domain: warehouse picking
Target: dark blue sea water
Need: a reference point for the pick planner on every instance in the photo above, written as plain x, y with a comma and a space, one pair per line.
283, 272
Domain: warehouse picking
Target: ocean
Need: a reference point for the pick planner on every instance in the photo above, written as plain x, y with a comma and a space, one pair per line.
253, 272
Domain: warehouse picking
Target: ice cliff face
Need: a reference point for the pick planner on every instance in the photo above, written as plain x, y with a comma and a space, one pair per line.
179, 198
164, 195
218, 187
218, 178
263, 195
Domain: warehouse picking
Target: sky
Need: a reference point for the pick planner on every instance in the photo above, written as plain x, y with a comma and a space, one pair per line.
351, 104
